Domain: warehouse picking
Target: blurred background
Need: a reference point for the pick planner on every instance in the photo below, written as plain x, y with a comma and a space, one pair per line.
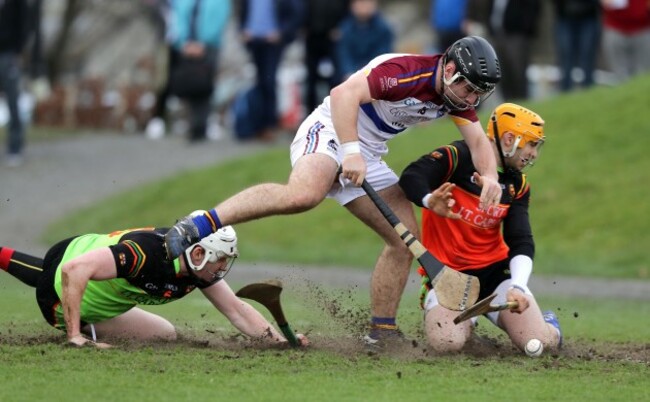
105, 65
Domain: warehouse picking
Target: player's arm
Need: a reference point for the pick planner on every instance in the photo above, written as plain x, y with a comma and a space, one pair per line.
94, 265
423, 182
241, 314
518, 236
483, 159
424, 175
344, 103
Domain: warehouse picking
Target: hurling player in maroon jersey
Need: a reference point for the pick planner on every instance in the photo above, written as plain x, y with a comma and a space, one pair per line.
349, 131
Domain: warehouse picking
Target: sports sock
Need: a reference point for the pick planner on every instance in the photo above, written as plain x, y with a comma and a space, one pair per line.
23, 267
207, 223
383, 322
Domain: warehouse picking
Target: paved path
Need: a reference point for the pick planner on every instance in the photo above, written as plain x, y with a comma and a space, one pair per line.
63, 175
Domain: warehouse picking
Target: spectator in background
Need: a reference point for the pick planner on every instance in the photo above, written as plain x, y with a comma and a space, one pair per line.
197, 30
446, 17
267, 27
365, 34
626, 36
160, 13
577, 39
14, 29
321, 31
512, 25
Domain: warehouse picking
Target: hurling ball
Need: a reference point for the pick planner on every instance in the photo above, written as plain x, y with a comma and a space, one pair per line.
534, 348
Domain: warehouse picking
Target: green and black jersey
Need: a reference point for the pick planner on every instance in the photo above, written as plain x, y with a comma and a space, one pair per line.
144, 275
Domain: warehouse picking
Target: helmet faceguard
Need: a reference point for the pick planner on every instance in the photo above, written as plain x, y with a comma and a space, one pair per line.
220, 245
477, 69
526, 125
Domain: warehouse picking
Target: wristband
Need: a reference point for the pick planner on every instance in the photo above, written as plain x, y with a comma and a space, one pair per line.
519, 288
351, 147
425, 200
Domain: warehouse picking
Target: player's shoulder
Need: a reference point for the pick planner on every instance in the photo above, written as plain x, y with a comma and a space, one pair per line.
145, 237
405, 61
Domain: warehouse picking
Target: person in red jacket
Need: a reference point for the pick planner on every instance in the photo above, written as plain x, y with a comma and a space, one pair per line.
626, 36
494, 244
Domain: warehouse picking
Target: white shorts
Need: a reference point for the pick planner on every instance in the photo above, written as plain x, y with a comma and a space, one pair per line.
316, 135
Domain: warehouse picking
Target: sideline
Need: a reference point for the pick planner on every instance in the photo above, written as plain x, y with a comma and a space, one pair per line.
342, 277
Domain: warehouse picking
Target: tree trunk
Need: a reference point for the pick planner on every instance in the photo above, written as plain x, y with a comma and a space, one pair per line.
57, 52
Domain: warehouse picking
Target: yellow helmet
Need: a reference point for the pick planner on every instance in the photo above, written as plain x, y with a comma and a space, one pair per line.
525, 124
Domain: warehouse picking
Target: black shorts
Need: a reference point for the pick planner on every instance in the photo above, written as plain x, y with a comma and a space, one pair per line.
46, 296
491, 276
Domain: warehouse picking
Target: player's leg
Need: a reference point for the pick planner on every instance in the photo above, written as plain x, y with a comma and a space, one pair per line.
525, 326
314, 155
135, 324
443, 335
309, 182
23, 267
393, 265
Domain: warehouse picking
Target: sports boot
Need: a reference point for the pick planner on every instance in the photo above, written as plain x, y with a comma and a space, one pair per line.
551, 318
182, 235
384, 337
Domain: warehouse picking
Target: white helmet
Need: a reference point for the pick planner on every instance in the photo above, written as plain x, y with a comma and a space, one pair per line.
220, 244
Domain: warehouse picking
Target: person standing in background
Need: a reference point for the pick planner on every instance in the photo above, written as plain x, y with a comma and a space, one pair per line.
321, 31
267, 27
14, 30
197, 30
365, 34
577, 39
512, 25
626, 36
446, 17
160, 14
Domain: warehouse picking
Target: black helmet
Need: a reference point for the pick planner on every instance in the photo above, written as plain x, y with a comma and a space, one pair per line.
476, 61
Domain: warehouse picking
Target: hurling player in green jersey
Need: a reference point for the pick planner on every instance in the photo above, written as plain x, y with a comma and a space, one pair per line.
90, 285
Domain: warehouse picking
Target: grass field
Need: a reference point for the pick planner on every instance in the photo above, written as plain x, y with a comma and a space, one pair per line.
589, 210
605, 357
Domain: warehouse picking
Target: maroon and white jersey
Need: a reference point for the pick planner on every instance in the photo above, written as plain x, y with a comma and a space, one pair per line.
403, 90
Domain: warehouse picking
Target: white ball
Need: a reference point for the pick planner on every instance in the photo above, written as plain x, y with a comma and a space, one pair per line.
534, 348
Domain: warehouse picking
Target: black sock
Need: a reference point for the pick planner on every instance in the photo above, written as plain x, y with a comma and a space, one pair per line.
25, 268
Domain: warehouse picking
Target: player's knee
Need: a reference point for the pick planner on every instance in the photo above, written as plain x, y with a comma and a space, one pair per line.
167, 332
445, 343
160, 330
400, 252
304, 201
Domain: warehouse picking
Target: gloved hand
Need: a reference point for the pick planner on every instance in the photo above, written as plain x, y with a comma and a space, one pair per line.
182, 235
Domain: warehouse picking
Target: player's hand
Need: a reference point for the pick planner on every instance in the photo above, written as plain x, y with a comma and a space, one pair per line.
354, 168
194, 49
79, 341
304, 341
182, 235
490, 191
442, 201
517, 295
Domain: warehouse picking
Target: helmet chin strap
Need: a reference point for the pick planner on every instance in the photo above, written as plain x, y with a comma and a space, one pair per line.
497, 139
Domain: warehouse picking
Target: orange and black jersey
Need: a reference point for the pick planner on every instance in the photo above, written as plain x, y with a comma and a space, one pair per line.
476, 240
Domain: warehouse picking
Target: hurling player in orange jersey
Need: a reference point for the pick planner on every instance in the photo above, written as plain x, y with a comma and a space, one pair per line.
495, 243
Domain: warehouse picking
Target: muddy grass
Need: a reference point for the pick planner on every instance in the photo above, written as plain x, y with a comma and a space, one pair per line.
341, 323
